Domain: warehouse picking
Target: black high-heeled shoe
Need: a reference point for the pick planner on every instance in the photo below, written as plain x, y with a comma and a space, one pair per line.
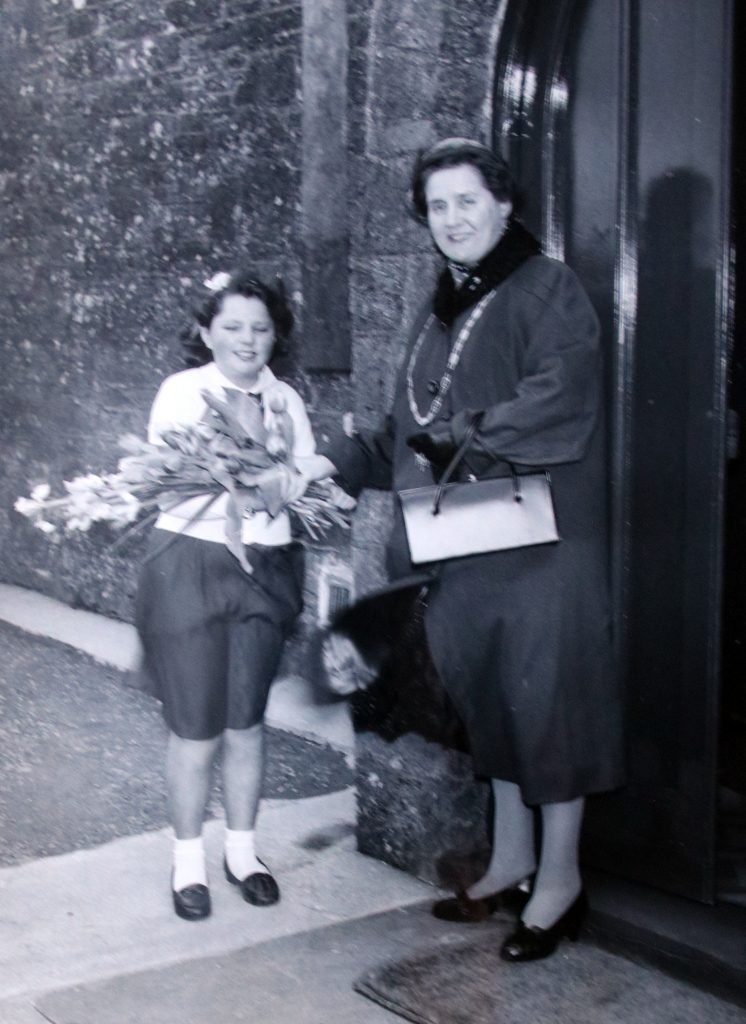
462, 909
528, 942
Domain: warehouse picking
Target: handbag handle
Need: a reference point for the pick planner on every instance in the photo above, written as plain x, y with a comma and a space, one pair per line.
458, 456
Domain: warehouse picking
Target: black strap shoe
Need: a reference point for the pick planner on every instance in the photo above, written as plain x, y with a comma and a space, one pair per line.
531, 943
192, 903
260, 889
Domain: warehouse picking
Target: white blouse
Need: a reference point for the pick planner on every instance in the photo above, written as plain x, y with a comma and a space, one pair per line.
179, 403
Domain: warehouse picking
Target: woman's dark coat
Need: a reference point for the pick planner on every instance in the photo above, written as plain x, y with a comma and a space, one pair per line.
521, 638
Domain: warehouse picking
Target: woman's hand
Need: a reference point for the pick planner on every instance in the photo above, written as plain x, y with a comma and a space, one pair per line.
298, 485
436, 445
339, 497
315, 467
318, 469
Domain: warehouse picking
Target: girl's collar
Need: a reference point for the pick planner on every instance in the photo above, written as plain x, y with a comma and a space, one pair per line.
265, 380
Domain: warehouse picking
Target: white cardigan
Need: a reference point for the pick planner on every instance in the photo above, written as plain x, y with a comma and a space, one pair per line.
179, 403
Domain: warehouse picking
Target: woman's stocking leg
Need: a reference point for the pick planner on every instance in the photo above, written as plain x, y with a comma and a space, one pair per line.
513, 856
188, 776
243, 773
558, 880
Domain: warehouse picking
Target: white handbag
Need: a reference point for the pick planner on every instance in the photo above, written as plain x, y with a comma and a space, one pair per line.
452, 520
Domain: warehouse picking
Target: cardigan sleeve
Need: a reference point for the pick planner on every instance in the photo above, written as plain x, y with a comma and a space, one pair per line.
552, 413
363, 460
174, 405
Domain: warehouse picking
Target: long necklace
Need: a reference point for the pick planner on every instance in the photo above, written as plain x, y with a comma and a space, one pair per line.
453, 360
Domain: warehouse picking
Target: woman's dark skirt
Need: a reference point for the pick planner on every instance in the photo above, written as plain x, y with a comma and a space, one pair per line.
212, 635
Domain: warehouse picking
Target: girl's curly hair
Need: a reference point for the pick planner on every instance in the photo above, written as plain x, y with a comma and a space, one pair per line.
246, 283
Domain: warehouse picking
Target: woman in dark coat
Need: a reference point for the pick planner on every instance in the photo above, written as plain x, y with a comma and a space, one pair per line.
520, 638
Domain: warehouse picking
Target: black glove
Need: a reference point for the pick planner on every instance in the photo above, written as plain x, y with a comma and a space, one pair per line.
437, 446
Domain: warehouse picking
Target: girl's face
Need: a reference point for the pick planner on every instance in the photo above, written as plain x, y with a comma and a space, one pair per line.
240, 337
465, 219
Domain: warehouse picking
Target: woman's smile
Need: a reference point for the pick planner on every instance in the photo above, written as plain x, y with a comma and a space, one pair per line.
465, 219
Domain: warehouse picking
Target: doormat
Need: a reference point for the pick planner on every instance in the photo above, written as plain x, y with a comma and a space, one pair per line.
579, 984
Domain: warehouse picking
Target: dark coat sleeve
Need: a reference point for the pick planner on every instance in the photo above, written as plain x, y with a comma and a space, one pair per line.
552, 413
363, 460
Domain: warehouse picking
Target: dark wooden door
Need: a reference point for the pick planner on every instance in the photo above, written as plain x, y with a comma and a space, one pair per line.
615, 114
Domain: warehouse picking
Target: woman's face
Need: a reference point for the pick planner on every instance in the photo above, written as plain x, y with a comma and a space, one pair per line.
240, 337
464, 218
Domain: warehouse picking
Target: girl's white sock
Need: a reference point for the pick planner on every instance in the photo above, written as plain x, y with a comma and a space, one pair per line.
190, 866
240, 855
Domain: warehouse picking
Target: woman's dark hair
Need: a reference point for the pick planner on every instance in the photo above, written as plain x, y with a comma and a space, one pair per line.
452, 153
240, 282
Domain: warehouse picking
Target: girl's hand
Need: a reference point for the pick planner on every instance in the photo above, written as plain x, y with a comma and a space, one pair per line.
339, 497
281, 478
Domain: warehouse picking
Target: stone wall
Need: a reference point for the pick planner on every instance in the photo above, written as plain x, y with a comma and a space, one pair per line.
424, 68
143, 147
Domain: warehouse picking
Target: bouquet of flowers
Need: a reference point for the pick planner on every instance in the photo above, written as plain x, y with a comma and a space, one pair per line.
230, 452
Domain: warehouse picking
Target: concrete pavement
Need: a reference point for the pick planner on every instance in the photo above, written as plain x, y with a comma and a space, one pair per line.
89, 936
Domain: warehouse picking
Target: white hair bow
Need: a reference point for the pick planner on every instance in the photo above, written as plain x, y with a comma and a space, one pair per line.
218, 281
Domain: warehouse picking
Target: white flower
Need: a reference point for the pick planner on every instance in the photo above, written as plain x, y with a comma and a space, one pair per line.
81, 484
82, 523
218, 281
41, 492
44, 526
26, 506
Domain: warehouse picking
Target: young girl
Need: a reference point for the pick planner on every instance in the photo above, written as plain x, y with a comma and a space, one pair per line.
213, 634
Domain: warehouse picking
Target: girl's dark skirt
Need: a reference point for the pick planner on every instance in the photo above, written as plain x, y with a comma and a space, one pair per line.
213, 635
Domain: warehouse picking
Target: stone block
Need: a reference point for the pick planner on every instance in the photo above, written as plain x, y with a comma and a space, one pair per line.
273, 80
326, 317
148, 55
467, 32
411, 25
131, 24
379, 223
188, 14
405, 84
407, 135
88, 60
461, 109
420, 809
239, 8
82, 23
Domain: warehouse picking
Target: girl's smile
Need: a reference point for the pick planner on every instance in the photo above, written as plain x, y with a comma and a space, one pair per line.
241, 338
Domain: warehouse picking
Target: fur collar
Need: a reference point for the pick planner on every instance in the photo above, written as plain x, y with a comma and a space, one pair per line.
514, 248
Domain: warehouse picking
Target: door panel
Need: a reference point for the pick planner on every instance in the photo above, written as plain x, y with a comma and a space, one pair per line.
626, 138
